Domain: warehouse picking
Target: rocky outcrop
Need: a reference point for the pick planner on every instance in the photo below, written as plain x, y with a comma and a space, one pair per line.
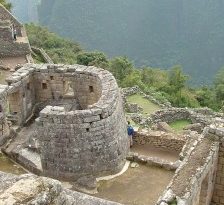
33, 190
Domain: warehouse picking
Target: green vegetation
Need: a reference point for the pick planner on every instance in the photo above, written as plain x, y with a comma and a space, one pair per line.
6, 4
174, 202
178, 125
161, 84
98, 59
59, 49
148, 107
153, 33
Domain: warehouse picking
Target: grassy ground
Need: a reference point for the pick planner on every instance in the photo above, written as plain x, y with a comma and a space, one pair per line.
179, 125
148, 107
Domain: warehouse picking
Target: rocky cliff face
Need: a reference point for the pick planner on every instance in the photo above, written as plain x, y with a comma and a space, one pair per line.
33, 190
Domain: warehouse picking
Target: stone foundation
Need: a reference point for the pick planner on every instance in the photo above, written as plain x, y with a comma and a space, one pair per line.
159, 139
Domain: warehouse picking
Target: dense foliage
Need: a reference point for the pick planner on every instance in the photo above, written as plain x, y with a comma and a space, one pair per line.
170, 84
6, 4
153, 33
163, 84
59, 49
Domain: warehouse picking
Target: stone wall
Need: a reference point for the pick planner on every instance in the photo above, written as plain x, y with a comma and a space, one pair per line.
158, 139
202, 116
171, 115
4, 128
194, 180
85, 140
21, 95
6, 15
218, 196
13, 49
6, 31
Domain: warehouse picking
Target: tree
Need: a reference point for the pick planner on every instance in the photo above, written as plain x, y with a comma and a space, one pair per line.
98, 59
121, 67
133, 79
177, 79
154, 77
176, 83
6, 4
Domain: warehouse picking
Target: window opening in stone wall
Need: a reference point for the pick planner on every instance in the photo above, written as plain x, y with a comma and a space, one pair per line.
28, 86
91, 89
44, 86
0, 108
52, 77
68, 90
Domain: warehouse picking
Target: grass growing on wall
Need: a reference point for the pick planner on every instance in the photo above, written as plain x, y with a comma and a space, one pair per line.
148, 107
178, 125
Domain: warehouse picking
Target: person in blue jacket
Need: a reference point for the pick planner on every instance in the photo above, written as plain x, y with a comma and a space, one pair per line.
130, 130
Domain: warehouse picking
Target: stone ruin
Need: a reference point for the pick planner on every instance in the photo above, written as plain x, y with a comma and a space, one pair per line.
81, 126
12, 53
81, 131
76, 119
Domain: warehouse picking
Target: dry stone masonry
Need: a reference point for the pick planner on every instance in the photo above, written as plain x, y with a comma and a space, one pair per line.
79, 132
81, 129
12, 52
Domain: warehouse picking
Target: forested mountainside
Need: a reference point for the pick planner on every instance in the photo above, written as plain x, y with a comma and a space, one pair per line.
162, 84
156, 33
25, 10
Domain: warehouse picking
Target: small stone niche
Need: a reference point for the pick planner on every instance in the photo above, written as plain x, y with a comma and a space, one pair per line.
44, 86
28, 86
91, 90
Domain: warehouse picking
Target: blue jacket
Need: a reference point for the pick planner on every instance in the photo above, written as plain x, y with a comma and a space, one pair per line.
130, 130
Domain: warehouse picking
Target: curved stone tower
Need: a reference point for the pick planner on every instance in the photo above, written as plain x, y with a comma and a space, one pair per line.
85, 138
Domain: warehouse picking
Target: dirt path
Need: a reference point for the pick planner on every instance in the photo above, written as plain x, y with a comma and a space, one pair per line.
151, 151
6, 165
137, 186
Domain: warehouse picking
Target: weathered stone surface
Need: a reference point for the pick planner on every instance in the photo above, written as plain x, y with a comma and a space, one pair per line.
81, 129
163, 126
32, 190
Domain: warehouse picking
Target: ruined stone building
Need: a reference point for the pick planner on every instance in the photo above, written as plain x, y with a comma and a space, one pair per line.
81, 124
12, 52
76, 131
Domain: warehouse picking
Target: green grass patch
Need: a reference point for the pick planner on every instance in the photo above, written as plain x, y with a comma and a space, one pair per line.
148, 107
178, 125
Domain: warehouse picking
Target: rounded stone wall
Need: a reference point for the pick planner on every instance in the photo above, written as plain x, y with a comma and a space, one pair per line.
85, 143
